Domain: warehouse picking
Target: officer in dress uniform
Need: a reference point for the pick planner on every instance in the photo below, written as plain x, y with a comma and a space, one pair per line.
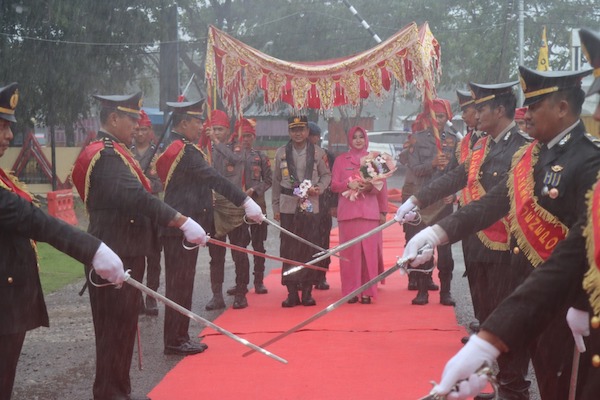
258, 178
121, 209
189, 180
327, 207
487, 254
557, 282
297, 163
22, 224
143, 150
425, 163
469, 116
228, 161
543, 194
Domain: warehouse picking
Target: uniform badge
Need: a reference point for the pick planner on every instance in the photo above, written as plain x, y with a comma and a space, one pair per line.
552, 178
556, 168
564, 140
230, 168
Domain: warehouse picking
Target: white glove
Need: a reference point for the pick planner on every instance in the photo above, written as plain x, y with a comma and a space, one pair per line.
108, 265
579, 322
461, 368
432, 236
193, 232
405, 209
253, 210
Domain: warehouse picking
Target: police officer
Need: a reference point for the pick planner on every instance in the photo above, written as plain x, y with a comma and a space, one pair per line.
327, 207
228, 161
426, 161
22, 306
469, 116
258, 178
297, 163
143, 150
189, 180
543, 194
558, 281
121, 209
486, 252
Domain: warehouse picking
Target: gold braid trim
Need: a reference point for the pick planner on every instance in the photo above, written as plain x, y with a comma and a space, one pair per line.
591, 279
174, 165
88, 175
529, 252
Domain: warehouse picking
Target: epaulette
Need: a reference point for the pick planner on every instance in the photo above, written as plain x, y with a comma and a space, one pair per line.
595, 140
108, 143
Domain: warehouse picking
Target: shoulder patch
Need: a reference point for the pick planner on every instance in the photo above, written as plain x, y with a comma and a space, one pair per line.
595, 140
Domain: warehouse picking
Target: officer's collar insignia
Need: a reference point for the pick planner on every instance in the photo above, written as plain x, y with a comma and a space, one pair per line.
564, 140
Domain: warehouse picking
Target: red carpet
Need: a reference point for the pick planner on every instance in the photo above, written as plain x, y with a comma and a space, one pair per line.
388, 349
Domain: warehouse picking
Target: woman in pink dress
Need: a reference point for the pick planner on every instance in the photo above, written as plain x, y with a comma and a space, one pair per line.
363, 261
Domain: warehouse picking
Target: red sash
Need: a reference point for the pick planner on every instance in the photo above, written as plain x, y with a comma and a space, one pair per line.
12, 184
82, 169
168, 161
496, 236
463, 149
537, 231
591, 232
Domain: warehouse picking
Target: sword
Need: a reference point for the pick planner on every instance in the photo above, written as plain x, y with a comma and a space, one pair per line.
342, 246
298, 238
485, 370
401, 264
129, 280
256, 253
574, 373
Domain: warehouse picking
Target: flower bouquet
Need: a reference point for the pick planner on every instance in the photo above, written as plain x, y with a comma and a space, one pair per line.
301, 191
375, 167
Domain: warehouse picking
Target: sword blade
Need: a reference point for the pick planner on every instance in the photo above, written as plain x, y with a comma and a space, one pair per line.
574, 373
270, 257
342, 246
400, 264
129, 280
293, 235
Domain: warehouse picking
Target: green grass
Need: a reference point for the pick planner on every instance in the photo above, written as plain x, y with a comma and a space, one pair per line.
57, 269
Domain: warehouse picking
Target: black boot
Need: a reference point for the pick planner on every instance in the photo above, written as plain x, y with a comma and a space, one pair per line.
422, 294
445, 297
292, 300
412, 282
431, 285
259, 286
217, 302
151, 306
240, 300
231, 291
307, 299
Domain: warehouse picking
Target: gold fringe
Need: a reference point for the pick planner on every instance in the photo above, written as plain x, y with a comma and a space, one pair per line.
528, 251
591, 279
88, 175
173, 166
496, 245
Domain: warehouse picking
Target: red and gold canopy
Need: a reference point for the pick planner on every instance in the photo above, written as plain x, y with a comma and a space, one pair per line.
411, 58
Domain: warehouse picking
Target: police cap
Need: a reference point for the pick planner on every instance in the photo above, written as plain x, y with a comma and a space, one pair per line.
297, 121
590, 43
538, 84
482, 93
129, 104
191, 108
465, 99
9, 97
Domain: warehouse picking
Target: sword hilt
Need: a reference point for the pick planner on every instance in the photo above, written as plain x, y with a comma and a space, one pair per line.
485, 370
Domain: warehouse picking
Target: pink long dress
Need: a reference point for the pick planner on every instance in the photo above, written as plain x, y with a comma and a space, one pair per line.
364, 259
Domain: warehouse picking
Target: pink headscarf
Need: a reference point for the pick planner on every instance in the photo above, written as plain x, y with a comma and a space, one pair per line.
354, 152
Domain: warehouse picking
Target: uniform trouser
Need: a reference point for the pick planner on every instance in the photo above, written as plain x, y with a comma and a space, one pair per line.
325, 224
180, 270
552, 357
153, 268
115, 315
258, 234
302, 224
10, 350
239, 237
409, 232
445, 262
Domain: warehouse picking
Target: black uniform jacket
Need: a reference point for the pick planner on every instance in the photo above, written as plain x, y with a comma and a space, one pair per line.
22, 304
492, 171
554, 285
577, 155
120, 208
190, 188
